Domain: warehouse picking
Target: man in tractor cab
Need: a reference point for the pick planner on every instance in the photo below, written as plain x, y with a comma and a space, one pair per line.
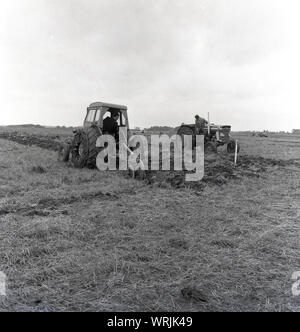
200, 125
110, 124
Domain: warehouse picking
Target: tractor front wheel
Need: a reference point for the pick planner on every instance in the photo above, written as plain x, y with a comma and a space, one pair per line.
231, 146
64, 152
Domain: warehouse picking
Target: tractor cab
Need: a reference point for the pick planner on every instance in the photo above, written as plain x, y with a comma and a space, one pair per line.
97, 112
82, 148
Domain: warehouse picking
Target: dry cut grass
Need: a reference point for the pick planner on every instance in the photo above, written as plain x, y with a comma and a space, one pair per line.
81, 240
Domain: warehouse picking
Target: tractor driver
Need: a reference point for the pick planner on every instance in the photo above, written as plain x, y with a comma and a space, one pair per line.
200, 125
110, 124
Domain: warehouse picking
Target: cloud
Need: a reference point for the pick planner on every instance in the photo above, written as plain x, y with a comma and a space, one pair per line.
166, 59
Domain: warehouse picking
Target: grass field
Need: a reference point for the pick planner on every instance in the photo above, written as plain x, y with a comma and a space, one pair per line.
90, 241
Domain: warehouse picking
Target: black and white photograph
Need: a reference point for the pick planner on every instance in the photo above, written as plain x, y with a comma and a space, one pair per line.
149, 158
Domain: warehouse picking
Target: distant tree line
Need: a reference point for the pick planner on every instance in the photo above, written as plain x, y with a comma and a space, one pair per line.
159, 128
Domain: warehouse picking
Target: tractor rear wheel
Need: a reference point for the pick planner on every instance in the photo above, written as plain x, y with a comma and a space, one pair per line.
185, 131
64, 152
80, 150
93, 134
210, 147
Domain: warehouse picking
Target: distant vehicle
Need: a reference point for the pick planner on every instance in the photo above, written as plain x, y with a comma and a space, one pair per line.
263, 135
215, 136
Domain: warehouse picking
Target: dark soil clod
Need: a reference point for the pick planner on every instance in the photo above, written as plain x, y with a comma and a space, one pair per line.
38, 169
194, 295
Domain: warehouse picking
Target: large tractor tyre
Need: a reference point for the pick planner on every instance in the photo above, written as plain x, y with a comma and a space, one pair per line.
64, 152
210, 147
188, 131
93, 134
80, 150
231, 146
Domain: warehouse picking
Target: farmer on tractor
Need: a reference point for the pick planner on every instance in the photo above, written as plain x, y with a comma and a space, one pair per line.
110, 124
200, 125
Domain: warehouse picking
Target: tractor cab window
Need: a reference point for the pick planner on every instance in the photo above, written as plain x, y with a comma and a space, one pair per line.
97, 117
122, 121
91, 116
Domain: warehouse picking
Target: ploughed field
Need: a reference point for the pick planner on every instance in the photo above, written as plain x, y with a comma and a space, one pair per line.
85, 240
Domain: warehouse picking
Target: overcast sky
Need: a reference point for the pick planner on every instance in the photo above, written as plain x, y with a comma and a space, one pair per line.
167, 60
